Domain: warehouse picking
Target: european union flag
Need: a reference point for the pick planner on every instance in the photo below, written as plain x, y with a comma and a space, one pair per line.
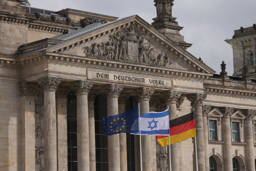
115, 124
121, 123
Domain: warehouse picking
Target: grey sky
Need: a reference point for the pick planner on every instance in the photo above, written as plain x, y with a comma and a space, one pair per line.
207, 23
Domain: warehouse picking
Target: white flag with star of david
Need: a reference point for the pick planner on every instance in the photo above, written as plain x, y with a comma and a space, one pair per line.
153, 123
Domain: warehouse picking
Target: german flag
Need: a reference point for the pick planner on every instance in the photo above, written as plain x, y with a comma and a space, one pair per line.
181, 129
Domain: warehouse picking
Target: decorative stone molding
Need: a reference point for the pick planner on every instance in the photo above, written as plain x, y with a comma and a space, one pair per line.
115, 90
7, 61
50, 83
146, 93
84, 87
231, 92
197, 99
228, 111
206, 110
250, 114
174, 96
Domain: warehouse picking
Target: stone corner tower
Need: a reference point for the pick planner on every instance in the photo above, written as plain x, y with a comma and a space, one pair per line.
243, 44
167, 24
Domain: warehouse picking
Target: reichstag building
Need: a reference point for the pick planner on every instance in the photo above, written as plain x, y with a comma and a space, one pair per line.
62, 71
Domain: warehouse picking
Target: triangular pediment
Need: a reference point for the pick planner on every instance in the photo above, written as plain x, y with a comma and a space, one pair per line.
215, 112
238, 115
129, 40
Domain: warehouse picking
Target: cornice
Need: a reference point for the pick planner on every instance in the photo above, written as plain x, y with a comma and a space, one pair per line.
35, 24
126, 66
7, 61
146, 29
230, 92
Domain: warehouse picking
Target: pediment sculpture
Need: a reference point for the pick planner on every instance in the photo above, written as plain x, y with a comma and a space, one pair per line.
130, 46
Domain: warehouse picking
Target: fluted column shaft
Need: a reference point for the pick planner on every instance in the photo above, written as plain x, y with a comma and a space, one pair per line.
197, 102
249, 148
146, 140
83, 146
92, 134
113, 140
27, 128
227, 155
175, 148
50, 122
123, 143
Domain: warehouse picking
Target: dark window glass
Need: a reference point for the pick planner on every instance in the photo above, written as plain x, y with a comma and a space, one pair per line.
235, 132
213, 164
213, 130
100, 108
236, 166
72, 132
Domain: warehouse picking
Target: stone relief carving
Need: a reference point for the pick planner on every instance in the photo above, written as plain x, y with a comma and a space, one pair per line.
128, 45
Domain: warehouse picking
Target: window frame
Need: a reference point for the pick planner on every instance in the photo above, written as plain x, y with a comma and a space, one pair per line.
239, 131
216, 127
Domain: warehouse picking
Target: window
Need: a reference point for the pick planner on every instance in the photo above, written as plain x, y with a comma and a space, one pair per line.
235, 132
236, 166
213, 130
213, 164
254, 132
100, 108
72, 132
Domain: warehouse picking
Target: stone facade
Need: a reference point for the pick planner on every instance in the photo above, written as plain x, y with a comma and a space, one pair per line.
57, 82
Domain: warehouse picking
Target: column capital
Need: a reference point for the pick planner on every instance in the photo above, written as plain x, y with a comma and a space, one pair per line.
146, 92
115, 90
173, 96
206, 110
83, 87
197, 99
250, 114
49, 83
228, 111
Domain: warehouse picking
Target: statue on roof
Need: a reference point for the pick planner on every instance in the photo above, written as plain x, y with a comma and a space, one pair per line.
24, 2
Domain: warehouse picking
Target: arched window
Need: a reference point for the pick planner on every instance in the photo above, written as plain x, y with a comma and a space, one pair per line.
213, 164
72, 132
236, 166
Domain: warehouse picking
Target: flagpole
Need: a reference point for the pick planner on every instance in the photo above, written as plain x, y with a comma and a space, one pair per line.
196, 155
170, 155
141, 166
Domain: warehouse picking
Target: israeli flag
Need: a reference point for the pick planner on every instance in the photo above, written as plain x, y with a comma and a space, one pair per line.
152, 123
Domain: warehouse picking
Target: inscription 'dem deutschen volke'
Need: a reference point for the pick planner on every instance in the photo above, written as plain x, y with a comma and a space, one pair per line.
132, 79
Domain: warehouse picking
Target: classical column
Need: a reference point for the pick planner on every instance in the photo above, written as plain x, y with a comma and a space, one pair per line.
147, 151
197, 103
62, 129
27, 119
175, 148
83, 146
226, 130
123, 145
249, 139
50, 85
113, 140
206, 110
92, 133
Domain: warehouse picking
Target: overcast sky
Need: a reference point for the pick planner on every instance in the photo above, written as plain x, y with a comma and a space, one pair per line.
207, 23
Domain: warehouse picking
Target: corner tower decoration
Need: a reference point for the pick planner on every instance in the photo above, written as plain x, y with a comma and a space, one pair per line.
167, 24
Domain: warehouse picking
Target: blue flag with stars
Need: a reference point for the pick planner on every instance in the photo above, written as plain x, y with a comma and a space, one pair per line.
121, 123
115, 124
